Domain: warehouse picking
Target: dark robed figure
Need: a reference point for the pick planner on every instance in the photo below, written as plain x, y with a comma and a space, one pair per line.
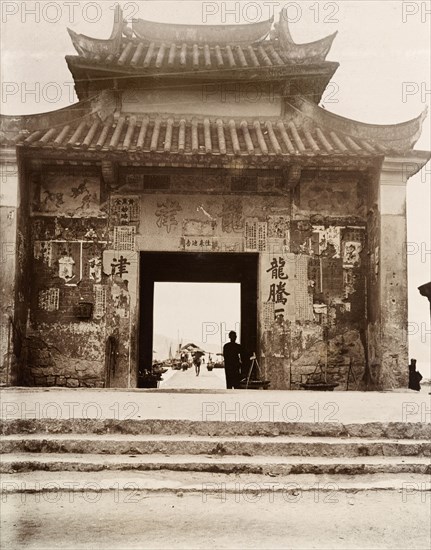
415, 376
232, 353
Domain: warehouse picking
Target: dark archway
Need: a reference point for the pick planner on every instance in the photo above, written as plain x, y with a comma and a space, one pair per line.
212, 267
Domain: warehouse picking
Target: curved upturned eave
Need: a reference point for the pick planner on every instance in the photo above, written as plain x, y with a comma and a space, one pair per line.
86, 44
318, 49
14, 124
201, 34
401, 136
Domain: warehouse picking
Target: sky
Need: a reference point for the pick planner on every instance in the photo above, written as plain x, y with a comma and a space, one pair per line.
198, 313
383, 48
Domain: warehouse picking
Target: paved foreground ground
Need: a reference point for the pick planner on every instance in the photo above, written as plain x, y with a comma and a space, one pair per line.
216, 405
136, 520
114, 507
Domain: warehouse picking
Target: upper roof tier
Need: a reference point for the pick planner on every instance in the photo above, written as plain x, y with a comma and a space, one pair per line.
201, 34
153, 46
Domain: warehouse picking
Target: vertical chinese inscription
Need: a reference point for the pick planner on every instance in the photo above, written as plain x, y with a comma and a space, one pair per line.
256, 235
268, 315
99, 301
262, 236
303, 298
49, 300
277, 290
124, 238
124, 210
250, 235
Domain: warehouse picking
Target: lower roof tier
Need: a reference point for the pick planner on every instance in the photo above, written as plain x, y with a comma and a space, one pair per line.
305, 130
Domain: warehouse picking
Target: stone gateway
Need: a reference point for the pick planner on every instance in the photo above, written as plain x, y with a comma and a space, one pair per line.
205, 143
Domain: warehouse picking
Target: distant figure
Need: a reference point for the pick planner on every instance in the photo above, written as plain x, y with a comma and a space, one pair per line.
184, 363
197, 363
232, 361
414, 376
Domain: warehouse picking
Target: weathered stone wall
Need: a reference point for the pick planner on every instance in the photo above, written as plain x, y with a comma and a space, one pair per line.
85, 248
394, 355
10, 255
323, 319
68, 234
74, 360
387, 314
323, 315
7, 287
371, 379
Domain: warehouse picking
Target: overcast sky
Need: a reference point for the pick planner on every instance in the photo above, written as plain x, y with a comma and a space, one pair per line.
383, 48
201, 313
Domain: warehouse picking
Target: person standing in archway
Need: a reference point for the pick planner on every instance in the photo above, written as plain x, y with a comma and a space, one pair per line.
197, 361
415, 376
232, 353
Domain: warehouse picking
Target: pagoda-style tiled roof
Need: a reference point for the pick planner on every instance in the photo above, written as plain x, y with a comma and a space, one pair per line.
150, 31
145, 51
149, 46
306, 130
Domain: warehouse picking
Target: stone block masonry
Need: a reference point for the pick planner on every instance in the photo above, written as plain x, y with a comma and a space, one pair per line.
311, 269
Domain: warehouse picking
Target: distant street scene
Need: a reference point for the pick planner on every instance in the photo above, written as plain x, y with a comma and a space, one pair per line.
191, 324
202, 313
207, 380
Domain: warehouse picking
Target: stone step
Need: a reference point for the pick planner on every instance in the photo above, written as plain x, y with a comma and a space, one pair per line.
394, 430
133, 482
212, 445
270, 465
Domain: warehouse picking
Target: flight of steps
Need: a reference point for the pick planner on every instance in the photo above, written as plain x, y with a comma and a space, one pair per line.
186, 454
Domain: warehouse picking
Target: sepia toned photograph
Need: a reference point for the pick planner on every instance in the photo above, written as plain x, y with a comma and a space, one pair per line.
215, 274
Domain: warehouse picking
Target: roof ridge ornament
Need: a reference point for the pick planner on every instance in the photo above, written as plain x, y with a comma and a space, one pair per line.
318, 50
156, 32
100, 47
